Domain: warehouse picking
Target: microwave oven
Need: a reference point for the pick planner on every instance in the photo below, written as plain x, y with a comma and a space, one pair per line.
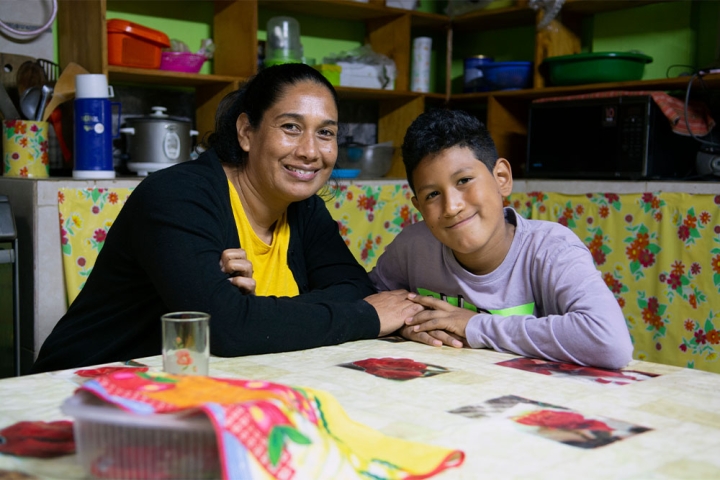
623, 137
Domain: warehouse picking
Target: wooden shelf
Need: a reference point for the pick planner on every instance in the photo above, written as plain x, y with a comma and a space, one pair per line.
353, 93
584, 7
678, 83
496, 18
352, 10
164, 77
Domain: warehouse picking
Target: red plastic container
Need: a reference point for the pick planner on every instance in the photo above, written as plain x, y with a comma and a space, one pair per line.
182, 61
134, 45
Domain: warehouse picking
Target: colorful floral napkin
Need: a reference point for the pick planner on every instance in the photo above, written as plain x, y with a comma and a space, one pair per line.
268, 430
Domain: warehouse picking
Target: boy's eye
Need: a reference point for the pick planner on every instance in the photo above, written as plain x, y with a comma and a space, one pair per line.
463, 181
431, 195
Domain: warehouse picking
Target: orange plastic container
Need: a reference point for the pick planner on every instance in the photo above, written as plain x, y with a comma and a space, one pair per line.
134, 45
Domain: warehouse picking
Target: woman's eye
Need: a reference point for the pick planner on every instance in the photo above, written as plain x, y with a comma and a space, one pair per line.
327, 133
291, 127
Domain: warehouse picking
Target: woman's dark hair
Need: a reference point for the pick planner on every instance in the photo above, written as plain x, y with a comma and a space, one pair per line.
439, 129
254, 98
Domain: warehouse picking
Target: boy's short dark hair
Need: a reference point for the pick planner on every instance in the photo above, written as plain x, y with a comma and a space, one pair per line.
439, 129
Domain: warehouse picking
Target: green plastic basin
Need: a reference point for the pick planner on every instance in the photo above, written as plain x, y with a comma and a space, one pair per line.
596, 67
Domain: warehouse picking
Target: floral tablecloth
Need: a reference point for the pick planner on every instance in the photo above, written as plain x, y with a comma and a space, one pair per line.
659, 253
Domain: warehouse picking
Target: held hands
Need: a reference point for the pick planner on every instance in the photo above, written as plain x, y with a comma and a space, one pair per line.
234, 262
394, 308
438, 324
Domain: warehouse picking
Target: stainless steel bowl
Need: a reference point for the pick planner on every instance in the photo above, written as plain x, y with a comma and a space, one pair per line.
373, 161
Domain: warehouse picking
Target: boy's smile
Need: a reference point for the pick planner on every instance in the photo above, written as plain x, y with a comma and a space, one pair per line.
461, 202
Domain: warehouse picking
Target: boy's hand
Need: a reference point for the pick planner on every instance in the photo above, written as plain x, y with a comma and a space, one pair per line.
434, 338
440, 321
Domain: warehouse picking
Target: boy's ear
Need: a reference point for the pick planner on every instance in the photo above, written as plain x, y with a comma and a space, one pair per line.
503, 176
243, 127
415, 203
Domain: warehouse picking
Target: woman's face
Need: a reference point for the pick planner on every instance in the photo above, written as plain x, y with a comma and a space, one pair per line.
293, 151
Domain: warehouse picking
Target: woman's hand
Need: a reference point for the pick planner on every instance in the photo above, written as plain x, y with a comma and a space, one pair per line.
440, 323
234, 262
393, 308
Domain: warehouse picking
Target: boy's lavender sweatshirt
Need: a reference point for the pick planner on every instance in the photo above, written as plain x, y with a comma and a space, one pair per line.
545, 300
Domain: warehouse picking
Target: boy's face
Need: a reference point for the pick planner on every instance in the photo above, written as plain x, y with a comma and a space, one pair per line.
461, 202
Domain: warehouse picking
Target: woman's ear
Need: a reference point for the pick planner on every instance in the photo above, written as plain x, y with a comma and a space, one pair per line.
243, 131
503, 176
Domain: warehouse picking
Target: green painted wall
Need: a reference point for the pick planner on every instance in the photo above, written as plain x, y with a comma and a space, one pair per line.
663, 31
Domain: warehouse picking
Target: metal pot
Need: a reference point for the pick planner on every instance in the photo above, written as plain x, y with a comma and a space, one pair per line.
157, 141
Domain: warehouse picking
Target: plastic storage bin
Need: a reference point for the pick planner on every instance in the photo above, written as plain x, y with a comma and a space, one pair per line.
112, 443
182, 61
134, 45
506, 75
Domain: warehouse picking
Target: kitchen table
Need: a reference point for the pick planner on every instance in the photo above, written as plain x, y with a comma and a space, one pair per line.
513, 417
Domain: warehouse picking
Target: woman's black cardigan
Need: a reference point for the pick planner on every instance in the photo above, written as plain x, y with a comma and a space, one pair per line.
162, 255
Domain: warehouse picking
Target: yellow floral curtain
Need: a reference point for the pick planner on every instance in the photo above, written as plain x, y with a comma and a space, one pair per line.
659, 253
86, 215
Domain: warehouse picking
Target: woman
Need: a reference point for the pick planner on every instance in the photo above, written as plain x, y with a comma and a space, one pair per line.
176, 243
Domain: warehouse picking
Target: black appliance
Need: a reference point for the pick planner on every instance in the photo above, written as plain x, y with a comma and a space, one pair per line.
623, 137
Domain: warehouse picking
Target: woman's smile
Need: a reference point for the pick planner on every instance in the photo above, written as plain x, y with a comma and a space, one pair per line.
302, 173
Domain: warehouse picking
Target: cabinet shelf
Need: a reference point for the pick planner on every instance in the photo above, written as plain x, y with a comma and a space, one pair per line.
353, 10
164, 77
523, 15
678, 83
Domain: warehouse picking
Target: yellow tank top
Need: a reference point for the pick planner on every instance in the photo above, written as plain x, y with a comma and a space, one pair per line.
270, 269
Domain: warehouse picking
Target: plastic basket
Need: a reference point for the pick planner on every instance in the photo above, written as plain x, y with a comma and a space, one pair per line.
112, 443
182, 62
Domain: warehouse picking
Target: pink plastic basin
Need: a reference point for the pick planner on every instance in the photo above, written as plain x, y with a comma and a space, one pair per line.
182, 62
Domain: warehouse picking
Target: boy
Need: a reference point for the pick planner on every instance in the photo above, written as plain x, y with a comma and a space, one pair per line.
488, 277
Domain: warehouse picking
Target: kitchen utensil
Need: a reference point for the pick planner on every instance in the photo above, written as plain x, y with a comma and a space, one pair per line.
29, 101
30, 74
51, 69
595, 67
47, 91
157, 141
7, 107
373, 161
64, 87
9, 65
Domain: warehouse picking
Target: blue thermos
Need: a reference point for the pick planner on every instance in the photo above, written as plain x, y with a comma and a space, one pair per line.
93, 127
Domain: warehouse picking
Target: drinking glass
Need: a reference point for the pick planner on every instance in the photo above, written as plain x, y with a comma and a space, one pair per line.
186, 343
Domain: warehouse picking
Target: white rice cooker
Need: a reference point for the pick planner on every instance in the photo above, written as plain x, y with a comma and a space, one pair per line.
157, 141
